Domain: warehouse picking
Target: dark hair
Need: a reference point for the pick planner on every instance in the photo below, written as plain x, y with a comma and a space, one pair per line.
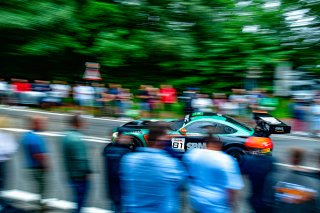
297, 155
211, 139
75, 120
157, 130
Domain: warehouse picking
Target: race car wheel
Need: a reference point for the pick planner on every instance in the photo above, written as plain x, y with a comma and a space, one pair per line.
135, 143
236, 152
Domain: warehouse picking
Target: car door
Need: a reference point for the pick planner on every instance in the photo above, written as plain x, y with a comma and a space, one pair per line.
196, 132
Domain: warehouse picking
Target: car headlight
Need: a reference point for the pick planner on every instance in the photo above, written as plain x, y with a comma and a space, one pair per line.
115, 135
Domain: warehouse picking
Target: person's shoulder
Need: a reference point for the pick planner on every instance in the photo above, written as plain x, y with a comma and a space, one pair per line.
70, 136
192, 154
225, 158
133, 157
27, 135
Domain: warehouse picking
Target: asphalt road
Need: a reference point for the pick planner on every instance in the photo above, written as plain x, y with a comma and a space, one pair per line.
57, 183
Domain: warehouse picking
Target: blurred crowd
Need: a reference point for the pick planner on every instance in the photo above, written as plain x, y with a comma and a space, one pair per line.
154, 178
149, 101
306, 115
114, 100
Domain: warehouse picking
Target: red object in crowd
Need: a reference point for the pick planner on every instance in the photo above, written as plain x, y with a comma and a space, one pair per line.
22, 86
168, 95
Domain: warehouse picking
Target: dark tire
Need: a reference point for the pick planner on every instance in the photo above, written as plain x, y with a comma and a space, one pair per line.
236, 152
135, 143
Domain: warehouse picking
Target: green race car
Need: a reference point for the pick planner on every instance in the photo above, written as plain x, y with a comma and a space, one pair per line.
188, 133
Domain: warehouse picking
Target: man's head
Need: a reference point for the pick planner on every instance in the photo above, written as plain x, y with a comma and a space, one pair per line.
37, 123
157, 134
296, 156
213, 142
75, 121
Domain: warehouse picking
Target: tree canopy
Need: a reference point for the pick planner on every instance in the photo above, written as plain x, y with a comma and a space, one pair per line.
203, 43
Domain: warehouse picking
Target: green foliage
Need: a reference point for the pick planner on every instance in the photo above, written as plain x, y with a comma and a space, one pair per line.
186, 43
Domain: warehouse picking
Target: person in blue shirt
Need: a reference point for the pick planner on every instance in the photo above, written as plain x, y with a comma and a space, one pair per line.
214, 178
150, 177
35, 150
113, 153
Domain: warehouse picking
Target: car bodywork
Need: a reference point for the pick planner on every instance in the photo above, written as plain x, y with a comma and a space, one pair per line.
189, 133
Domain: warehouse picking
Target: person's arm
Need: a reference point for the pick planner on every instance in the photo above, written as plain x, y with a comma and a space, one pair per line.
81, 157
40, 153
232, 194
234, 181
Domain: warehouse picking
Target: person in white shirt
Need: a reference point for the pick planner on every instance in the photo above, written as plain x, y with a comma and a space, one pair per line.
8, 146
4, 91
60, 90
86, 95
202, 103
214, 178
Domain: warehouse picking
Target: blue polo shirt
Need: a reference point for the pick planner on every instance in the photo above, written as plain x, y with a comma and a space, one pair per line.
33, 144
151, 179
212, 174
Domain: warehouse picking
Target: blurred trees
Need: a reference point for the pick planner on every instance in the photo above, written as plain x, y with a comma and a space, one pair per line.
204, 43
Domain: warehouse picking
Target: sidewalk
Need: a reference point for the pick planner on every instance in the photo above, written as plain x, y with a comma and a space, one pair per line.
24, 202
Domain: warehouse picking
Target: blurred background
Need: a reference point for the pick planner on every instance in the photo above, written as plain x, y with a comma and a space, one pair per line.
145, 58
230, 55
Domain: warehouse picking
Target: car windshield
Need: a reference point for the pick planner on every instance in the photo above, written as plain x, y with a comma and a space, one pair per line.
237, 123
175, 125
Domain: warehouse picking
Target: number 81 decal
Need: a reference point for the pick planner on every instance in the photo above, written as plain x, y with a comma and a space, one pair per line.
178, 144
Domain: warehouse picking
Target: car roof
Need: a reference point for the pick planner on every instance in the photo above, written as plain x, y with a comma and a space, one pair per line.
206, 115
218, 117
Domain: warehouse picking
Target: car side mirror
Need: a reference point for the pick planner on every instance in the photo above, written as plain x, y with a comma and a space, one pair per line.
183, 131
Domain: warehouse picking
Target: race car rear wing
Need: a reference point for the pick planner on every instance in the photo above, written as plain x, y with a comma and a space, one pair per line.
269, 124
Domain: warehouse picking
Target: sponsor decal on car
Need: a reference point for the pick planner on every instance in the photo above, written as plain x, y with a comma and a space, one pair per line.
192, 145
178, 144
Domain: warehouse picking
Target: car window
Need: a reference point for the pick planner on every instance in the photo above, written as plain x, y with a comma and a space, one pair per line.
199, 127
175, 125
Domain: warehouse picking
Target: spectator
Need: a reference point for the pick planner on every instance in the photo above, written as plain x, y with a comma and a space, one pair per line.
125, 101
76, 94
86, 96
20, 85
257, 168
202, 103
36, 153
113, 153
168, 96
76, 161
60, 90
294, 191
238, 98
8, 147
188, 96
99, 90
214, 178
4, 91
315, 117
113, 95
299, 115
144, 97
218, 101
41, 86
151, 185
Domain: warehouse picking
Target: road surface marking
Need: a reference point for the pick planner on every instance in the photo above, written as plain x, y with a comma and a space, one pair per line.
23, 196
60, 134
107, 140
20, 195
61, 114
295, 138
304, 167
